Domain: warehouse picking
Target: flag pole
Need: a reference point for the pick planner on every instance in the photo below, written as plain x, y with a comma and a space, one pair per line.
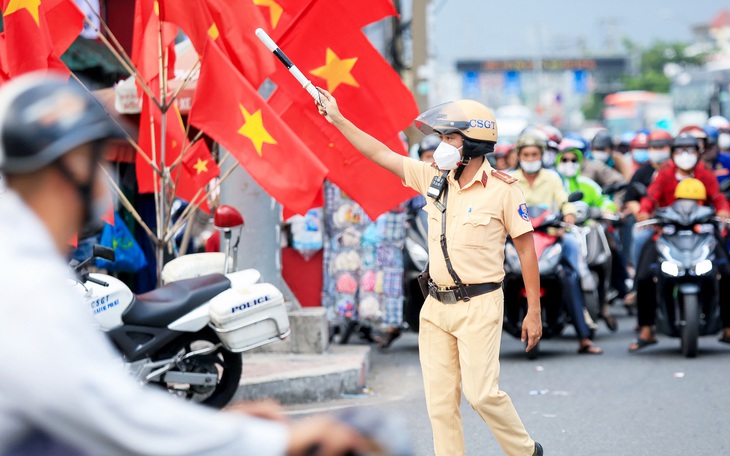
162, 228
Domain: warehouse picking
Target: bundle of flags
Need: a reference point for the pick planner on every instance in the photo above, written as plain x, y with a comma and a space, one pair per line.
283, 142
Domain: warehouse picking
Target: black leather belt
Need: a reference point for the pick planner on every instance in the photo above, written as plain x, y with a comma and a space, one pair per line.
452, 295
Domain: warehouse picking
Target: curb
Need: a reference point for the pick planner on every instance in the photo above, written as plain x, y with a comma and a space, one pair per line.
304, 378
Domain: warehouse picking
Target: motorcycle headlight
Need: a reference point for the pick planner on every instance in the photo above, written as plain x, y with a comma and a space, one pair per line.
550, 259
703, 267
672, 269
512, 258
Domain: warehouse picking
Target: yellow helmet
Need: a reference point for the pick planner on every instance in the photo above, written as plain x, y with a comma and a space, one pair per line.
692, 189
468, 117
474, 121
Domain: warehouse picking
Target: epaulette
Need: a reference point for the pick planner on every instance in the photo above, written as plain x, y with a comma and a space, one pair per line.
504, 177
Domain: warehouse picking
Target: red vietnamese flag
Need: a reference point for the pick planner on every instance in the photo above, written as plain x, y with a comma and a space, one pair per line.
65, 23
231, 23
37, 32
237, 20
145, 41
372, 187
199, 164
281, 15
229, 110
339, 58
193, 17
175, 142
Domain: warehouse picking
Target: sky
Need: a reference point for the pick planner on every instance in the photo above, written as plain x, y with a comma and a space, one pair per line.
478, 29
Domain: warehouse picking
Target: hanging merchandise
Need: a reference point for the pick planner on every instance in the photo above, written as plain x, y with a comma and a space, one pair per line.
306, 232
363, 263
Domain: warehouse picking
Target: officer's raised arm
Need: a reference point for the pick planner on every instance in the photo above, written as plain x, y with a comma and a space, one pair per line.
366, 144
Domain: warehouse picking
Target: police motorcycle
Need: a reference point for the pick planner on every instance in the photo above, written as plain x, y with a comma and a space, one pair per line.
686, 275
187, 335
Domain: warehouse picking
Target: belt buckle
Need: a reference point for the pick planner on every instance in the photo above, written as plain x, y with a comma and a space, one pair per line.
448, 297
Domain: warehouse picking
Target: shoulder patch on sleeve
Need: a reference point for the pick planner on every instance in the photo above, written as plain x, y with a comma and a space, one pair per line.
504, 177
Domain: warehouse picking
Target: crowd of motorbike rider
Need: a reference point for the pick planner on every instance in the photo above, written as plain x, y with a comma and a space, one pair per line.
625, 181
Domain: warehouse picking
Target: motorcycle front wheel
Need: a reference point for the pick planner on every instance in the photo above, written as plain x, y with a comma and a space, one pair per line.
226, 364
690, 325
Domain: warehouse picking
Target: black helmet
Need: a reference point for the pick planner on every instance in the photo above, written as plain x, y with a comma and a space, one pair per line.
429, 142
685, 140
602, 140
43, 116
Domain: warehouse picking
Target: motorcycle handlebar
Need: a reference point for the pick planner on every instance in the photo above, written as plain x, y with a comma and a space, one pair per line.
97, 281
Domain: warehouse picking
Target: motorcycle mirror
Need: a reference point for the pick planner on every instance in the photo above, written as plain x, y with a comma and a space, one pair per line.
610, 189
227, 217
105, 253
575, 196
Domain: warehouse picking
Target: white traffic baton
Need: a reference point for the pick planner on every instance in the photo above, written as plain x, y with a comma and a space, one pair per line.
298, 75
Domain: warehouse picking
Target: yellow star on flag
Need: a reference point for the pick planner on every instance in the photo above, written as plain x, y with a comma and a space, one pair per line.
253, 128
201, 166
336, 71
30, 5
275, 10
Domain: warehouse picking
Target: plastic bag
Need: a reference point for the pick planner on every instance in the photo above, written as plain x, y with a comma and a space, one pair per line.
129, 255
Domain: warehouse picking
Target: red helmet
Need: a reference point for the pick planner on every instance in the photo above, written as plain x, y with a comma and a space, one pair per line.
553, 134
695, 131
503, 149
660, 138
640, 141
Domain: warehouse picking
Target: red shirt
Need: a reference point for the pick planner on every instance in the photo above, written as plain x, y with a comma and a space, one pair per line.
660, 192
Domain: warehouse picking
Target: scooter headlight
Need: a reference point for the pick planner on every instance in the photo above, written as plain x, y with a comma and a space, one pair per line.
672, 269
703, 267
418, 254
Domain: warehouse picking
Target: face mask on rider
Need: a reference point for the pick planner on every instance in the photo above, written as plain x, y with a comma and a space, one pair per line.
447, 157
658, 156
568, 169
548, 159
530, 167
601, 155
641, 156
685, 160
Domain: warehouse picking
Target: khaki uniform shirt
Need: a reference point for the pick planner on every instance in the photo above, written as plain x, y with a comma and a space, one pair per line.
547, 190
478, 218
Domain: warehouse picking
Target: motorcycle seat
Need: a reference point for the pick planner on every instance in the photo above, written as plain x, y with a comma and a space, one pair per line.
162, 306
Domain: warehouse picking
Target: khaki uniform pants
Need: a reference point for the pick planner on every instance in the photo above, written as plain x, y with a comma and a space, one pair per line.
459, 347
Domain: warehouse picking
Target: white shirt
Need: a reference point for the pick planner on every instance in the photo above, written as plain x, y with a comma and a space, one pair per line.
60, 377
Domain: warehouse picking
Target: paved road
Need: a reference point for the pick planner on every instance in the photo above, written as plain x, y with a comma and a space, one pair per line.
651, 403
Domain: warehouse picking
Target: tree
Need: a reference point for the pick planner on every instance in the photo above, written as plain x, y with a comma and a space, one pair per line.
651, 75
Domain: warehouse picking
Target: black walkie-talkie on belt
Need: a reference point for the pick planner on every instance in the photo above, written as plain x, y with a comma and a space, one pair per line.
437, 186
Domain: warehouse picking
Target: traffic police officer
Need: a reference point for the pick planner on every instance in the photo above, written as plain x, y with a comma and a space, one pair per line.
472, 208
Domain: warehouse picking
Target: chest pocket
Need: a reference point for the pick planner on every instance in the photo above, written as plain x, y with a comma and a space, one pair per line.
475, 228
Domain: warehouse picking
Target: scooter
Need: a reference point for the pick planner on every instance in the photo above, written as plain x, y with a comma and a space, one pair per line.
186, 336
596, 251
415, 260
687, 285
546, 225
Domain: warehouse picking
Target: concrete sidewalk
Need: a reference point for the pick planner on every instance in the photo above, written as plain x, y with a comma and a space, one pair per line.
302, 378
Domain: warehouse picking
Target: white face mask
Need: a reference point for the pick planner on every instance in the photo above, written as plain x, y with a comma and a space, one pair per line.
723, 141
685, 161
658, 156
530, 167
568, 169
548, 159
447, 157
601, 155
